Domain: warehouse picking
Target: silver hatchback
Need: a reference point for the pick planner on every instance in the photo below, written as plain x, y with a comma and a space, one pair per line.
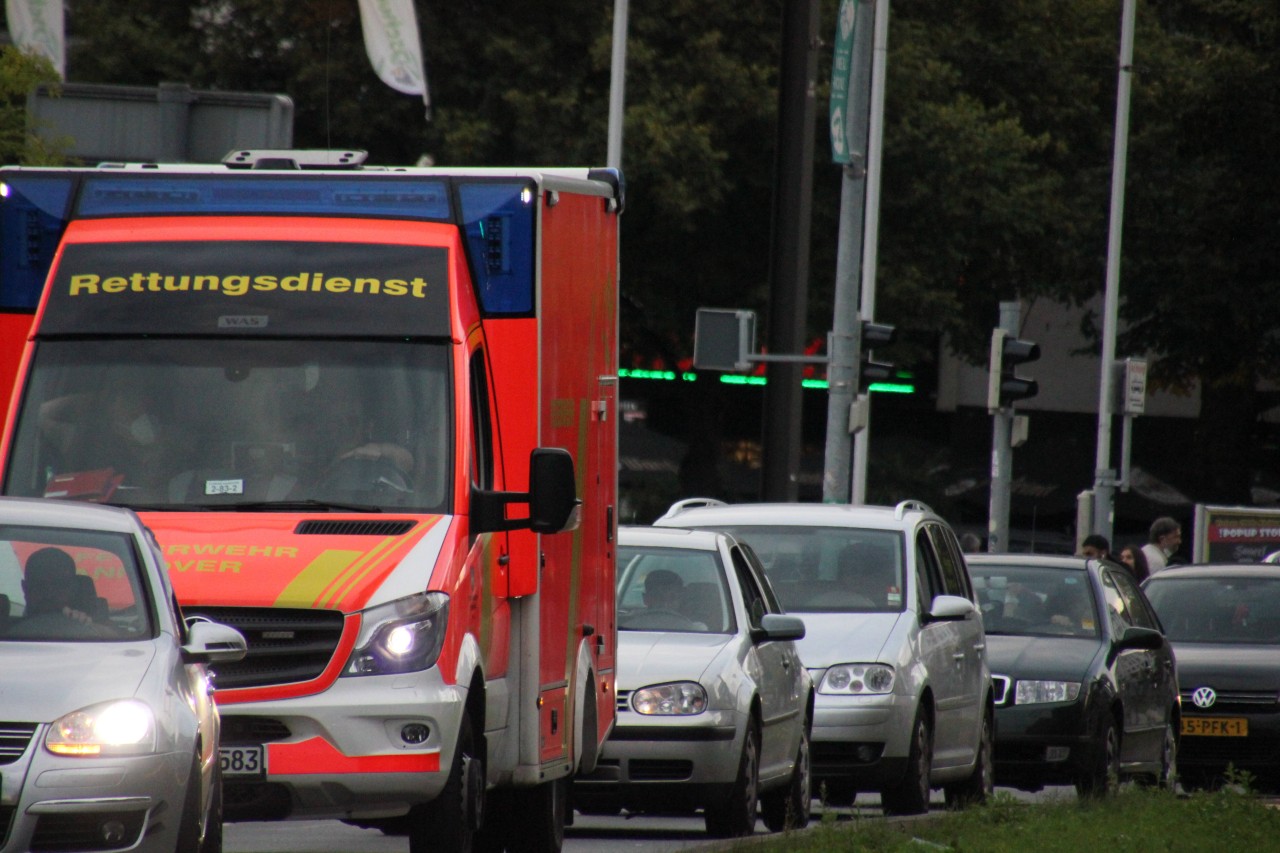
894, 643
108, 730
714, 705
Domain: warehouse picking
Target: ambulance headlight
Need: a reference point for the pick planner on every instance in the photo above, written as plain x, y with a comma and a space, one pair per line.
403, 636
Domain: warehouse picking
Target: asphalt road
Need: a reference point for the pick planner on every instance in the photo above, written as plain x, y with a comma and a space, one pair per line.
587, 835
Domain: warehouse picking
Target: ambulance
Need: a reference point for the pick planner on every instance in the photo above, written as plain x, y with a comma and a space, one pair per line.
370, 415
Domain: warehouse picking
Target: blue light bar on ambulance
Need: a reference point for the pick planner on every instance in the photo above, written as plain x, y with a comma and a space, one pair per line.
142, 195
33, 210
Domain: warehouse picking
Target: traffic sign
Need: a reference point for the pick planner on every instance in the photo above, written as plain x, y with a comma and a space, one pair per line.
841, 77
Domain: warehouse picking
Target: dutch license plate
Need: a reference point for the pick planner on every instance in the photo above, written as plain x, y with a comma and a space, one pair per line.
243, 762
1215, 726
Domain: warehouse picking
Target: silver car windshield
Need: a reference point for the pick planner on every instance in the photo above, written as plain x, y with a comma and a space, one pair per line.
829, 569
673, 589
70, 586
1217, 610
192, 423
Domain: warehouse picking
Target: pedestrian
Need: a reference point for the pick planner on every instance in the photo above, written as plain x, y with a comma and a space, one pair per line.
1096, 547
970, 543
1133, 557
1164, 539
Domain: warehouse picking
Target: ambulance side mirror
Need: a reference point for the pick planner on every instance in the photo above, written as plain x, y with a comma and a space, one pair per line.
552, 498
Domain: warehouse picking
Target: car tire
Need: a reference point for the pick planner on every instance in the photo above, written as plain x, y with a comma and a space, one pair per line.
213, 825
1167, 779
539, 819
790, 806
189, 825
981, 783
1101, 774
448, 822
910, 795
734, 815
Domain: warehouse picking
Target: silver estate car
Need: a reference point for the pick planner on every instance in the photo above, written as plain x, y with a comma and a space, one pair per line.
714, 705
894, 642
108, 729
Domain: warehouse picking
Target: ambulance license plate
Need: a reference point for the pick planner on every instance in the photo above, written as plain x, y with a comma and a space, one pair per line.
1215, 726
243, 762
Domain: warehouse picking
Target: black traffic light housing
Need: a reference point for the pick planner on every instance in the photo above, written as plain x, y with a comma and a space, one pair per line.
1004, 386
870, 372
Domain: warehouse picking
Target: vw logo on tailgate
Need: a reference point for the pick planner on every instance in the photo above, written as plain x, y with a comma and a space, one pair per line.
1204, 697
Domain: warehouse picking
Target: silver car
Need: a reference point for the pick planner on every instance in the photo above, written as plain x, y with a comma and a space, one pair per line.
108, 729
894, 643
714, 705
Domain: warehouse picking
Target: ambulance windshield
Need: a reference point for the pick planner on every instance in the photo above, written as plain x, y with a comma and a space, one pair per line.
202, 423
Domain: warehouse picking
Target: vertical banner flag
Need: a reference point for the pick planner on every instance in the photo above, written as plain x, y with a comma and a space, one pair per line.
841, 72
395, 50
36, 26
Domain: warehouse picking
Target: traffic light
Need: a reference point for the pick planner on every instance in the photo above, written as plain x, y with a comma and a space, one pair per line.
1004, 386
870, 372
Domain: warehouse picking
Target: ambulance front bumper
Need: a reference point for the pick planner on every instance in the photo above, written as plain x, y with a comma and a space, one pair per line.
367, 747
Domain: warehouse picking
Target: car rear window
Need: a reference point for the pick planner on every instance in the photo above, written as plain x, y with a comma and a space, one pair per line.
70, 585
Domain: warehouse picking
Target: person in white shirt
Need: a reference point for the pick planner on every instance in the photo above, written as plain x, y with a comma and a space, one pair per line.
1165, 538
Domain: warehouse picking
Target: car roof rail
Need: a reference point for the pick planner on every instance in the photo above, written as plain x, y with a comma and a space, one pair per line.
904, 507
691, 503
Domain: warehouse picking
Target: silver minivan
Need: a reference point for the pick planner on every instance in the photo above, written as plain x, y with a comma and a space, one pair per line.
894, 643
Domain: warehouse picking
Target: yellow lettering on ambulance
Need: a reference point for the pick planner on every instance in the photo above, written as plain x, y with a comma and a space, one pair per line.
115, 284
87, 283
295, 283
235, 285
419, 287
337, 284
265, 282
395, 287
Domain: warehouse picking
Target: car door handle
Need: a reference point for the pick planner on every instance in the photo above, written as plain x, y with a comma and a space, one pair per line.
958, 656
977, 647
786, 663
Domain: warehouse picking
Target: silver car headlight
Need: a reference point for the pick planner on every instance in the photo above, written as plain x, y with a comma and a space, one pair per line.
1039, 692
402, 636
122, 727
857, 679
682, 699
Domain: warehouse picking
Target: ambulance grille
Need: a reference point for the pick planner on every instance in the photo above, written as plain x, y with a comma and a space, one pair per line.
389, 527
284, 646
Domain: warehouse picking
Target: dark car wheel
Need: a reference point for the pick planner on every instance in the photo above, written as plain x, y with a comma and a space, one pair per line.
789, 807
1101, 774
735, 815
911, 794
981, 783
1168, 778
189, 828
449, 821
213, 823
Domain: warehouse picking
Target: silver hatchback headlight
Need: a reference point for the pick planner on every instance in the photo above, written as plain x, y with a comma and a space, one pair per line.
857, 679
681, 699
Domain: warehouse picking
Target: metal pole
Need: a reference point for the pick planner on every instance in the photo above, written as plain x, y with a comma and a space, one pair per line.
875, 145
617, 84
1001, 453
1104, 475
842, 370
789, 249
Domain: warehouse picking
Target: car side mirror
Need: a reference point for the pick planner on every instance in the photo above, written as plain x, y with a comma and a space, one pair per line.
212, 642
778, 626
950, 608
1139, 638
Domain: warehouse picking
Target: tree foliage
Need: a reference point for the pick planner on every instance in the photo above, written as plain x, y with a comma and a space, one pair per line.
997, 157
20, 72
